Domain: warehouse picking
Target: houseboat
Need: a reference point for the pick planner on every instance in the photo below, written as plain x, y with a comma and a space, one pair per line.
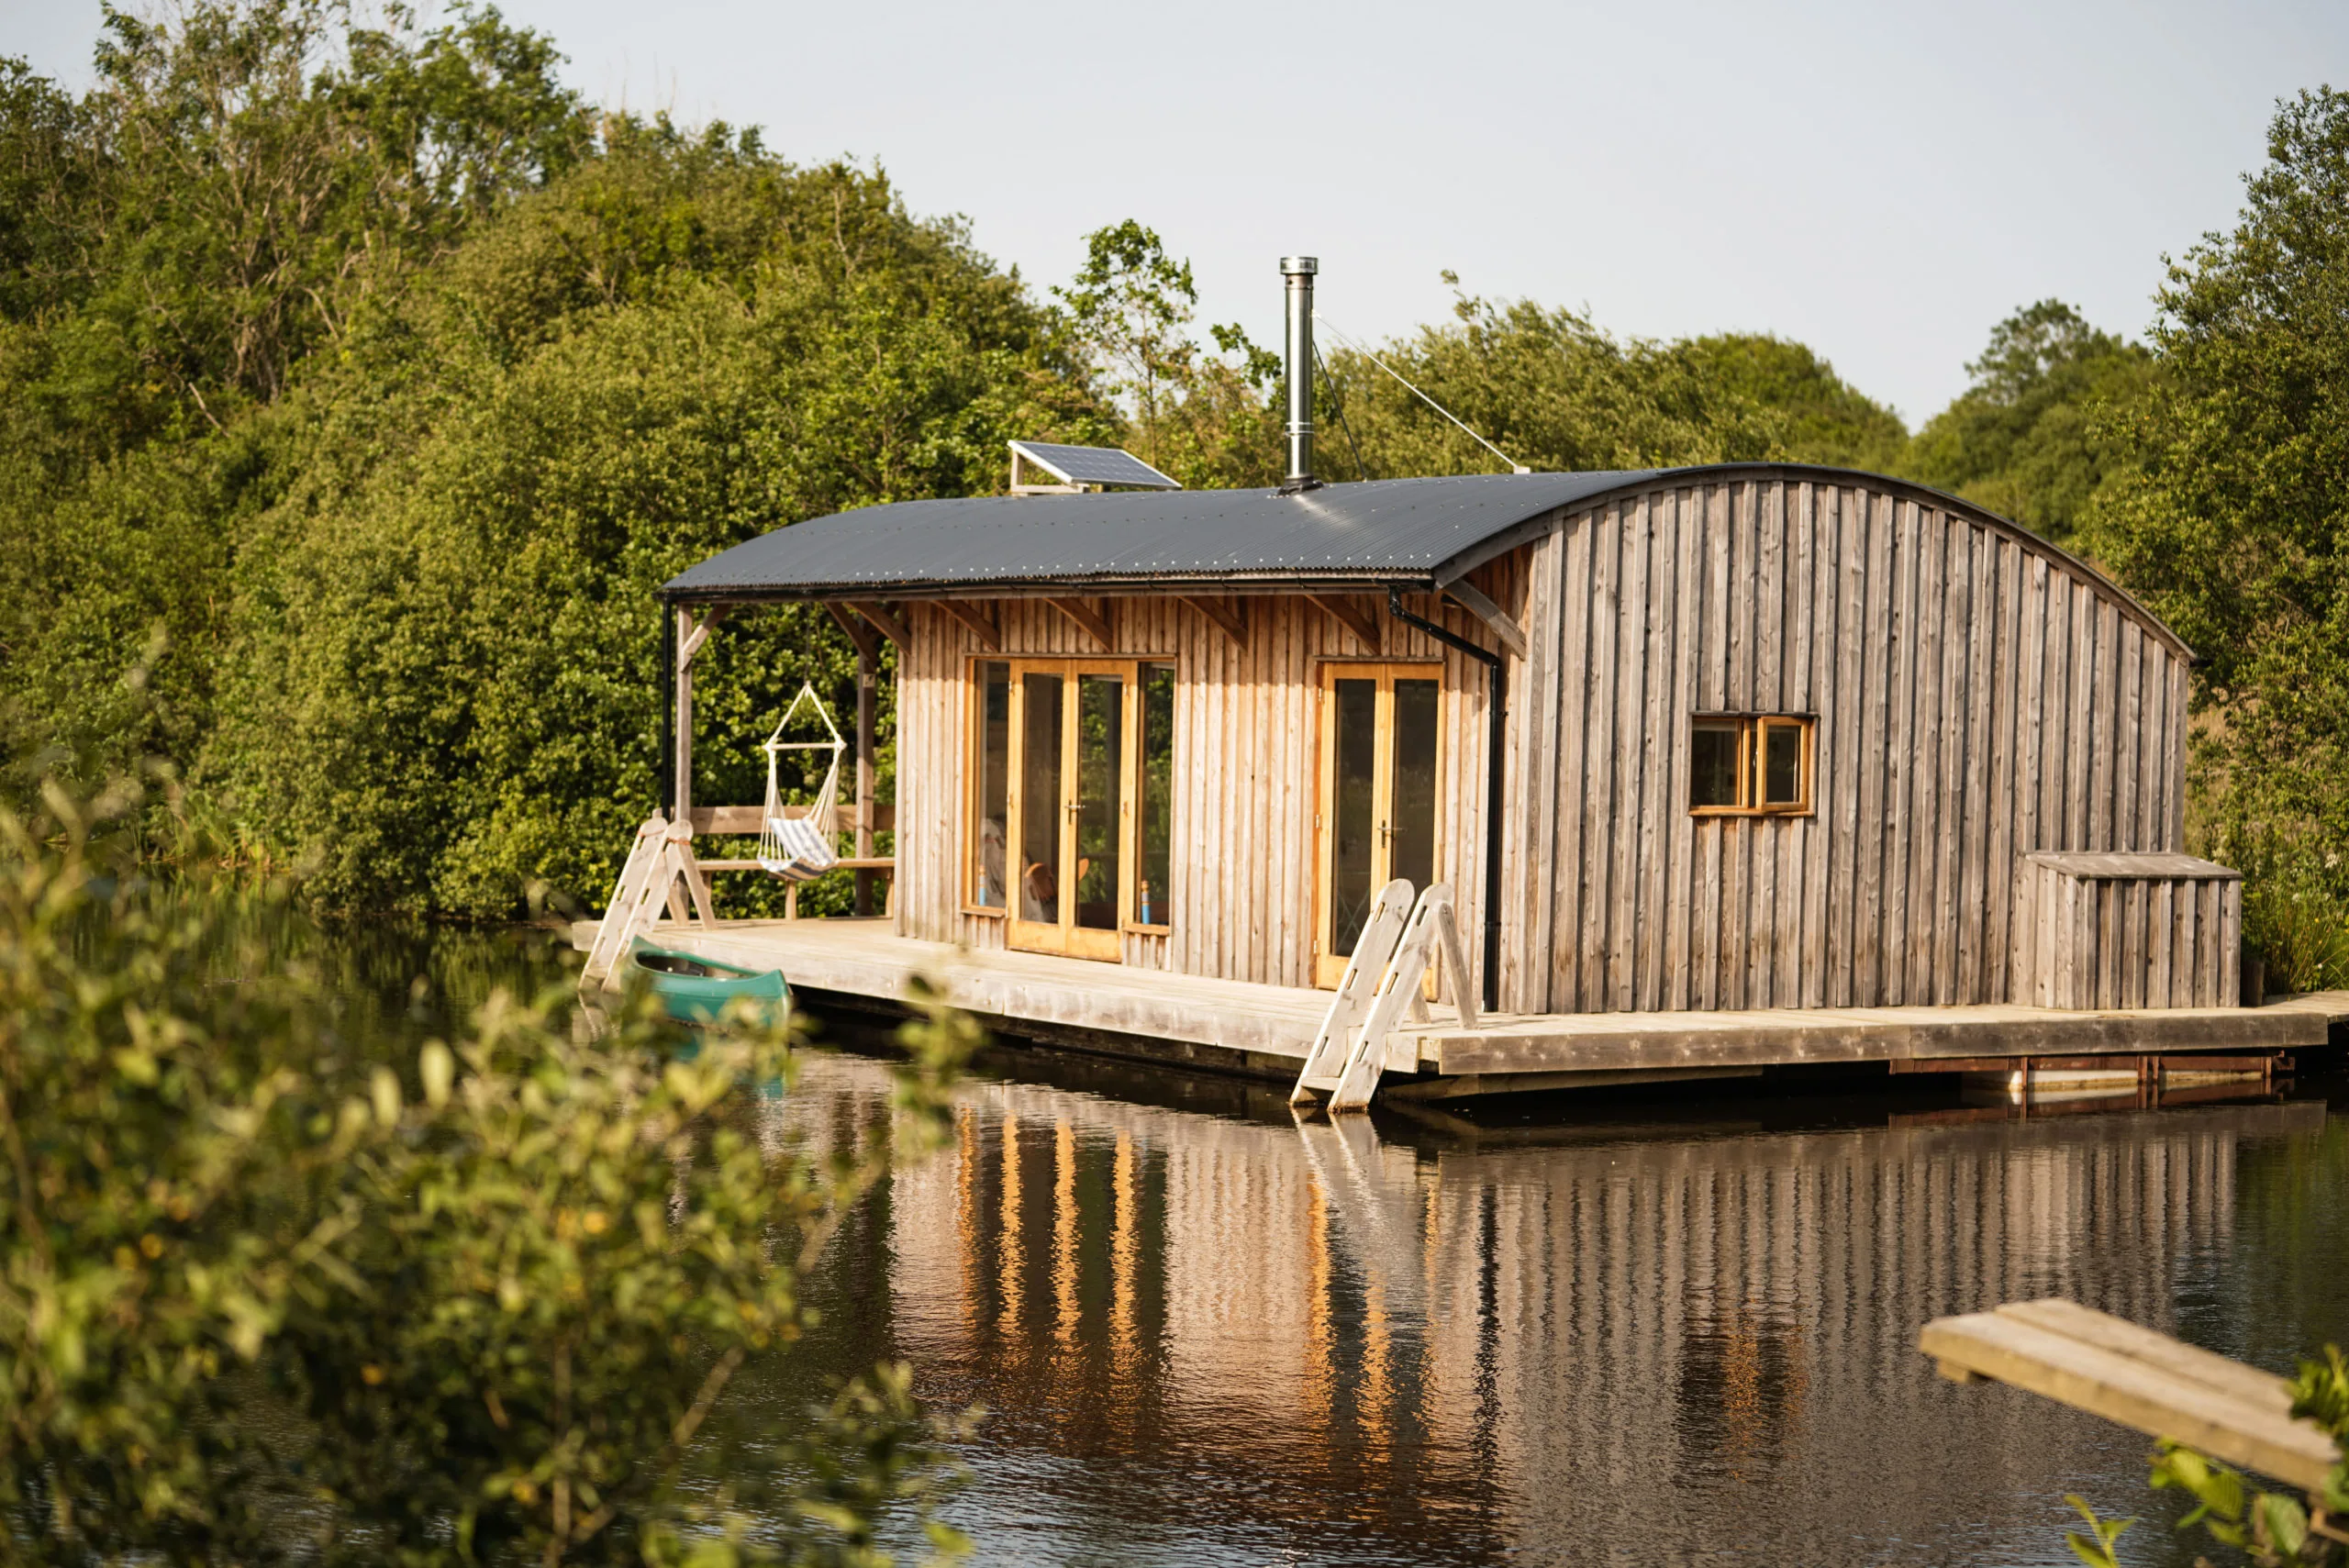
1723, 768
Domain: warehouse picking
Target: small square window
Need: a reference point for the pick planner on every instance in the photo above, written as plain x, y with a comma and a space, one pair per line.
1716, 765
1750, 764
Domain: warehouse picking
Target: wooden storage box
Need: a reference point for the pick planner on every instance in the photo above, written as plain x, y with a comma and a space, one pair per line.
2126, 930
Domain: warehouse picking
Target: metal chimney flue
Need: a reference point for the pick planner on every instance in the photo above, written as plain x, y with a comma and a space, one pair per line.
1297, 272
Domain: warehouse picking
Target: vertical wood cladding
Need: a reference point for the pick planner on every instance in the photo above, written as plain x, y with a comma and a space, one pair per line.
1978, 695
1246, 732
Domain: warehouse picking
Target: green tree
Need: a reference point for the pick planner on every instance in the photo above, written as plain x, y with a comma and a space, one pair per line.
438, 685
1822, 418
395, 462
1546, 386
240, 187
1200, 416
2231, 514
2028, 439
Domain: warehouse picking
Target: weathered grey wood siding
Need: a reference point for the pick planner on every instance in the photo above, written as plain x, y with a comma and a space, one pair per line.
2110, 932
1978, 695
1246, 733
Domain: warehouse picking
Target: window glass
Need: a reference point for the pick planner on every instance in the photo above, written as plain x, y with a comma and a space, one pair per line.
1412, 848
1039, 799
994, 763
1154, 779
1782, 764
1355, 798
1100, 779
1716, 770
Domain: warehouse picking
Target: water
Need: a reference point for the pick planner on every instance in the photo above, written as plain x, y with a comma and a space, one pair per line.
1670, 1329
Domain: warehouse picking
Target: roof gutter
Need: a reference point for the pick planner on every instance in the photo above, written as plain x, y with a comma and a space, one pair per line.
1495, 720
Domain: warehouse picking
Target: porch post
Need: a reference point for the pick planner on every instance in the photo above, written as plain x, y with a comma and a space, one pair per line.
682, 788
865, 676
664, 675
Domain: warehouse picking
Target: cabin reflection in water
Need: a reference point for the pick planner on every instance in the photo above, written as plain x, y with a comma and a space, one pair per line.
1685, 1337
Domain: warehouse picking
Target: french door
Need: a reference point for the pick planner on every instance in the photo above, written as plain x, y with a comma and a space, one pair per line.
1381, 758
1069, 783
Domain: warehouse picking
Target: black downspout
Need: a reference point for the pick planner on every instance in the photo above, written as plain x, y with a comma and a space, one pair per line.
667, 686
1496, 718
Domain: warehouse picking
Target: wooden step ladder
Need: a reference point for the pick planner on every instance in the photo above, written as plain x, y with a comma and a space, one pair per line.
1349, 1051
660, 859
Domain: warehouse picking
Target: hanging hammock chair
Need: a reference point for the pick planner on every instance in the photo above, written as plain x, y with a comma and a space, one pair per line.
799, 849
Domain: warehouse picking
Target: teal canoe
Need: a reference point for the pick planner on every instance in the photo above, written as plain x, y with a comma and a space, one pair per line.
697, 990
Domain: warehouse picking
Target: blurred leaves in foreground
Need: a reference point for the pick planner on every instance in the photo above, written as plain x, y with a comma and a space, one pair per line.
265, 1297
2268, 1529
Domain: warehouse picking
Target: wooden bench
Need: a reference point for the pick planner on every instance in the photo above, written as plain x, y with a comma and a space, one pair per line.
746, 821
2163, 1387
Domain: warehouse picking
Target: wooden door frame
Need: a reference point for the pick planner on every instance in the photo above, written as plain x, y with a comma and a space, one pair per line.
1064, 937
1328, 968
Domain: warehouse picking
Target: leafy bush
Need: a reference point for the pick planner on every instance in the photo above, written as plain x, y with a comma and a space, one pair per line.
2269, 1530
265, 1298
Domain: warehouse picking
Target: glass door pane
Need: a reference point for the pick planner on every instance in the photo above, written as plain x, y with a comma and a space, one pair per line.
1042, 799
994, 760
1154, 811
1353, 808
1100, 775
1411, 835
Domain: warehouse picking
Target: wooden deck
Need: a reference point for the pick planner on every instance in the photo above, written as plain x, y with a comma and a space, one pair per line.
1239, 1025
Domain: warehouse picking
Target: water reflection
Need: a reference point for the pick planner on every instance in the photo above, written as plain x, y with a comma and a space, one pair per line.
1230, 1338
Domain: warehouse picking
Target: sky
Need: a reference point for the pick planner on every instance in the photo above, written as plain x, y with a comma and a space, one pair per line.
1882, 182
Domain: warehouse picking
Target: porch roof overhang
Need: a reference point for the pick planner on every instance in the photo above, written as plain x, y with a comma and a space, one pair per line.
1411, 532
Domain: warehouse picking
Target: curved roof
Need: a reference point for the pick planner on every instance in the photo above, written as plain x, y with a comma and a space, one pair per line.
1381, 530
1423, 532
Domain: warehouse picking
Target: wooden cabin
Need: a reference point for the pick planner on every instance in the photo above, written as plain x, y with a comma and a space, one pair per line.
1738, 737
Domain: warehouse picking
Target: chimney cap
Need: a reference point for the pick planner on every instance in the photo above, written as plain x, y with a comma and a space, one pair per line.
1292, 265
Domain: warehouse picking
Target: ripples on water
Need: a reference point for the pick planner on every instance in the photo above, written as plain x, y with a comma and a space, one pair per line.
1675, 1329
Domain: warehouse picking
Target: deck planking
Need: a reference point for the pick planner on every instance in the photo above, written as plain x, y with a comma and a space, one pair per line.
1247, 1026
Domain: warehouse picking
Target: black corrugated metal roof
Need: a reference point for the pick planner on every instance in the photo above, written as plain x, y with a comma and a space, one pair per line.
1385, 530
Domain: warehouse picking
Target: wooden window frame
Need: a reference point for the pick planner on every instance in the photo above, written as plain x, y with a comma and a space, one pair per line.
1068, 667
1752, 759
1328, 970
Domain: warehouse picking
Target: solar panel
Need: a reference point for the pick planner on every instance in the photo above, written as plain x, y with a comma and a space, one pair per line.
1094, 465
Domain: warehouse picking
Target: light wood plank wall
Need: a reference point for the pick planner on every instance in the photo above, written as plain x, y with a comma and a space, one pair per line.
1246, 736
1978, 695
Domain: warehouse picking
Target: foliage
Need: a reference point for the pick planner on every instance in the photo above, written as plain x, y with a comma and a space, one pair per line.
263, 1297
1203, 417
2271, 1530
2096, 1547
1544, 385
232, 195
2293, 921
1821, 417
401, 538
2029, 439
2229, 515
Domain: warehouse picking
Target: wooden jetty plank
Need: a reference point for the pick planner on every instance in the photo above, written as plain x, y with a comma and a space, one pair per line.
2262, 1390
1785, 1036
2109, 1369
